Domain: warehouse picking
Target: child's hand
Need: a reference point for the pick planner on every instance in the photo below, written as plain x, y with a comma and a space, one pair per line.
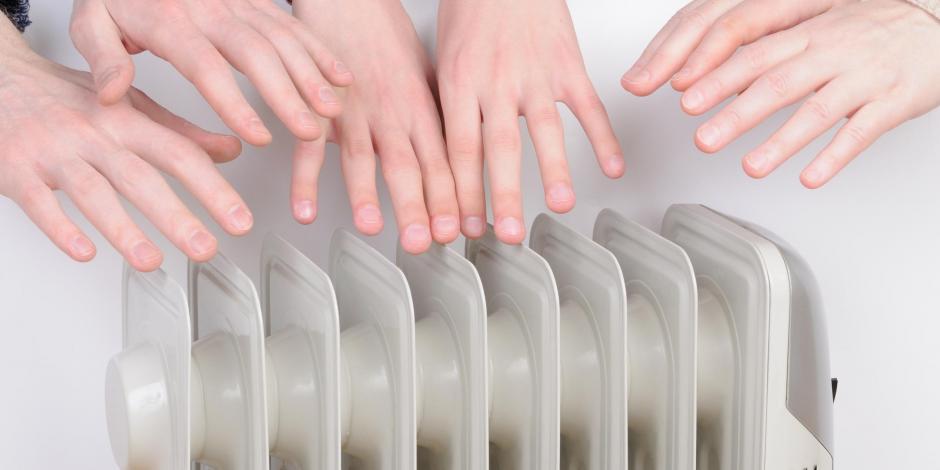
389, 111
872, 62
498, 60
56, 135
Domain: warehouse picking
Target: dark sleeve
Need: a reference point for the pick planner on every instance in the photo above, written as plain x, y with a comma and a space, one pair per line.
18, 11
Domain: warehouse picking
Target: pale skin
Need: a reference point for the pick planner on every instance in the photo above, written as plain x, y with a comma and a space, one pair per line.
499, 60
390, 115
57, 136
873, 64
292, 70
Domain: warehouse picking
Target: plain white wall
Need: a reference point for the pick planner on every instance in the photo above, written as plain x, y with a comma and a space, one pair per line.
871, 236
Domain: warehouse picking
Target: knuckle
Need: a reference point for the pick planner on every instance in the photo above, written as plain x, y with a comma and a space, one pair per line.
464, 149
505, 140
544, 116
857, 134
755, 55
819, 109
436, 166
84, 184
778, 82
359, 148
693, 19
132, 172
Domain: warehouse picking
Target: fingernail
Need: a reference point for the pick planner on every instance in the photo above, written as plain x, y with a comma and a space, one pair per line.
240, 218
637, 76
709, 135
145, 252
812, 175
257, 127
108, 76
474, 226
560, 193
684, 73
201, 242
307, 120
81, 247
305, 211
445, 225
692, 99
510, 227
327, 95
615, 165
757, 160
340, 67
369, 214
416, 237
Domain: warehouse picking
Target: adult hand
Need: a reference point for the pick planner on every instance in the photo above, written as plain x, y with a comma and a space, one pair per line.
871, 62
56, 135
705, 33
389, 111
292, 70
498, 60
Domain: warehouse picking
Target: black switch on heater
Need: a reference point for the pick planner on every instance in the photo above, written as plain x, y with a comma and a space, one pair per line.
835, 386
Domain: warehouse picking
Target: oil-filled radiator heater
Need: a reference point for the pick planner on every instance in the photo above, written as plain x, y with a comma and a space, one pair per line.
701, 348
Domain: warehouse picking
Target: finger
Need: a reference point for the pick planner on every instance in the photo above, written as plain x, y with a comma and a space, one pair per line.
838, 99
436, 176
503, 154
358, 163
222, 148
98, 40
779, 87
465, 155
146, 189
182, 45
298, 63
403, 175
588, 108
329, 65
742, 69
189, 164
692, 23
865, 126
744, 24
96, 199
308, 160
254, 56
42, 207
548, 137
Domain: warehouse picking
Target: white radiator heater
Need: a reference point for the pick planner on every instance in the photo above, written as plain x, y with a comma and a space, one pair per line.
704, 348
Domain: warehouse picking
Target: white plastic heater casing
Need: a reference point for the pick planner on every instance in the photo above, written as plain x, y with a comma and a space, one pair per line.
523, 346
593, 352
663, 324
452, 367
746, 275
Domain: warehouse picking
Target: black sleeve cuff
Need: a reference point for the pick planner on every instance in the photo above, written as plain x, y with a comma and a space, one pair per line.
17, 11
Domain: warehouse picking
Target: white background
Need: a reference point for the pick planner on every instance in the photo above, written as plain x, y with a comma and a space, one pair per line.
871, 236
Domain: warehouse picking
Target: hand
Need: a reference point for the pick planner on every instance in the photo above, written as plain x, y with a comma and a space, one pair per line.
498, 60
200, 38
56, 135
706, 33
389, 111
865, 61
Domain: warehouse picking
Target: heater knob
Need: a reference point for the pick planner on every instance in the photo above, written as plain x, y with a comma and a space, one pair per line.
137, 407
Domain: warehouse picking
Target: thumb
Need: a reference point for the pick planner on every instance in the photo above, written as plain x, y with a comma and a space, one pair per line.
98, 40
